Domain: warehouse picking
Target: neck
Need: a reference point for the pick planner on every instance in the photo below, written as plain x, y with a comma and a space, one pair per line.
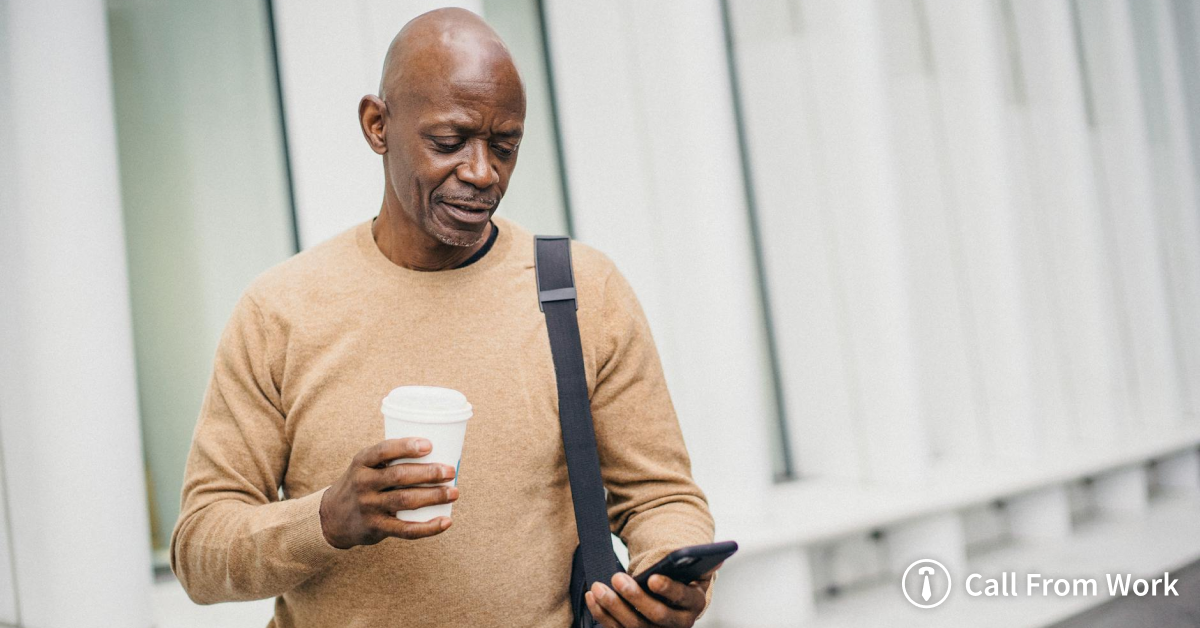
407, 245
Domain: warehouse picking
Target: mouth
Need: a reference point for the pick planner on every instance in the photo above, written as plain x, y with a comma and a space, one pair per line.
471, 213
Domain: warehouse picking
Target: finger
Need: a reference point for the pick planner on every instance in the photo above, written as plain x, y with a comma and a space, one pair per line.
409, 474
389, 525
646, 605
598, 613
385, 450
678, 594
414, 498
617, 608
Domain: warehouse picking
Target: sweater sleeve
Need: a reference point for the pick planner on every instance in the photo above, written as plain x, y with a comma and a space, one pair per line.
653, 504
235, 538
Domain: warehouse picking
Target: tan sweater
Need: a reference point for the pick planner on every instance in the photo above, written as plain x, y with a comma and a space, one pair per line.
310, 351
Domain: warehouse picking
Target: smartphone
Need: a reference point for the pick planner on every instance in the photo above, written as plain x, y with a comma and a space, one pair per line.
687, 564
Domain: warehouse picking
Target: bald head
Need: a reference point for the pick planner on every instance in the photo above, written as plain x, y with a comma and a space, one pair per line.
445, 43
448, 122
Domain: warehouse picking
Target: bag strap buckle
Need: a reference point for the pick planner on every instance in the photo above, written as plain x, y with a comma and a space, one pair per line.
559, 278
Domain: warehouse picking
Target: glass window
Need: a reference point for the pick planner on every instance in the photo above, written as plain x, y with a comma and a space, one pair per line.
206, 200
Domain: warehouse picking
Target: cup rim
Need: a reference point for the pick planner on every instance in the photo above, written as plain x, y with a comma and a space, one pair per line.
454, 416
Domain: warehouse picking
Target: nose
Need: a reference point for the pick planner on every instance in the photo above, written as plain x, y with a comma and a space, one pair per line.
476, 168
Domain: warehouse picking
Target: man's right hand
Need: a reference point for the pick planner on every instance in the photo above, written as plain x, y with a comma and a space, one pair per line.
360, 508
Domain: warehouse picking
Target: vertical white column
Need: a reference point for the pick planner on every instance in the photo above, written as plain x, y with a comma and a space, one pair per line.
856, 245
859, 194
1044, 514
1063, 224
971, 99
1046, 366
772, 44
765, 591
941, 323
847, 561
939, 537
68, 403
1123, 491
1117, 126
1181, 471
646, 190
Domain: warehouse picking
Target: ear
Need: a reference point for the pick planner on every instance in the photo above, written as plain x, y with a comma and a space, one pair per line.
372, 114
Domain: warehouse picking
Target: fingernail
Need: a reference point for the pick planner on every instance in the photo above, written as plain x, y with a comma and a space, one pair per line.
452, 493
447, 473
600, 591
445, 523
423, 445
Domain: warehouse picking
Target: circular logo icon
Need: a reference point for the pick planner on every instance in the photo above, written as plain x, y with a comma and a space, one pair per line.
929, 578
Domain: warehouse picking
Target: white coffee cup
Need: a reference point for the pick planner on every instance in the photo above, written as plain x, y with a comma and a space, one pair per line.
438, 415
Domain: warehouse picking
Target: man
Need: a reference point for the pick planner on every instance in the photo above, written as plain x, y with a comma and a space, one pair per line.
434, 291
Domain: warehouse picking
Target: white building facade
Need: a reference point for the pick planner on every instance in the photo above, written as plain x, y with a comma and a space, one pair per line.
923, 273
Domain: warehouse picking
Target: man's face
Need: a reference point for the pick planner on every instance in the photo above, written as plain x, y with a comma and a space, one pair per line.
452, 142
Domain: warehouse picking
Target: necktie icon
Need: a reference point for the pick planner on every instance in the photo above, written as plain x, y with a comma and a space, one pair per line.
925, 592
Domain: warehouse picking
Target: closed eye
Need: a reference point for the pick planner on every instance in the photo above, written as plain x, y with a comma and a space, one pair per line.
447, 145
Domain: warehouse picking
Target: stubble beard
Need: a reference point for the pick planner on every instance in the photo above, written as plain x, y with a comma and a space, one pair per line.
454, 238
458, 242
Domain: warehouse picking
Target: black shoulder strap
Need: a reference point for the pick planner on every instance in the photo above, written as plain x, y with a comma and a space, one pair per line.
556, 297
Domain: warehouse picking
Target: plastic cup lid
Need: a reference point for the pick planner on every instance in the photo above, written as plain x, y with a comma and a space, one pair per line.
427, 403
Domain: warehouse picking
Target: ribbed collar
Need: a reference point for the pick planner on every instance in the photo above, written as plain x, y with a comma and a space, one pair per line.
379, 262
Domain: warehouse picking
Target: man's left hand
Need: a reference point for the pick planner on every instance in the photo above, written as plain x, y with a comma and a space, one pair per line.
626, 605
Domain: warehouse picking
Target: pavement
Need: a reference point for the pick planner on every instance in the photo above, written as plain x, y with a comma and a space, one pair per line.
1148, 612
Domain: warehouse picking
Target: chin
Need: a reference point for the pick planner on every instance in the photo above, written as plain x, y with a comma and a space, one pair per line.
454, 237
